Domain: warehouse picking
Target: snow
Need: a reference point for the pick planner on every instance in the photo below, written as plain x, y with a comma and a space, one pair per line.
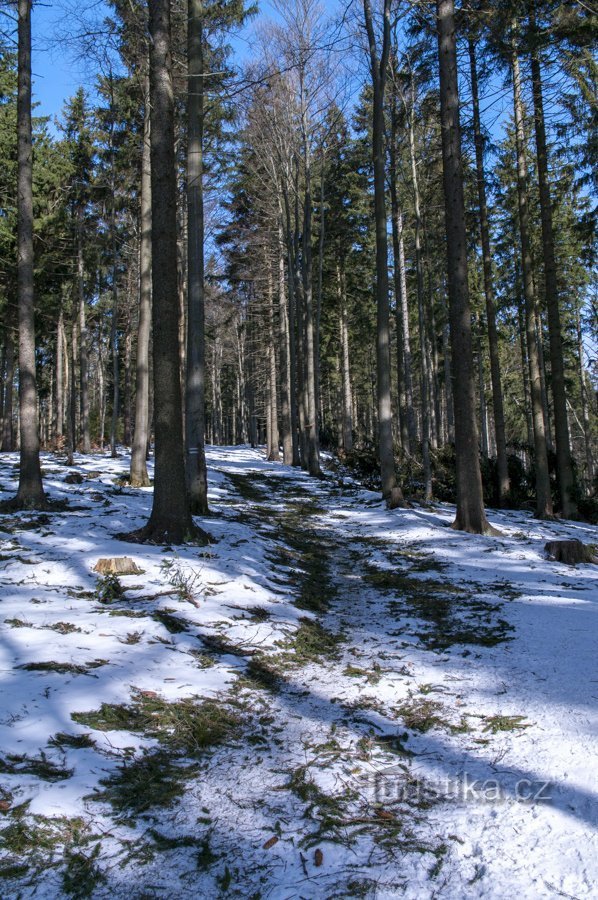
494, 796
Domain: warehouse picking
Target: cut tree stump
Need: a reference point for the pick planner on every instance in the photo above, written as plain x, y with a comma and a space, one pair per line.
570, 552
117, 565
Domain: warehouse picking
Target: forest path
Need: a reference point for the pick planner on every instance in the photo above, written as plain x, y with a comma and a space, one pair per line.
332, 700
449, 719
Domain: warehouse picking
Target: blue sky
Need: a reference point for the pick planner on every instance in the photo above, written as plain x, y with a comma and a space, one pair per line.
56, 74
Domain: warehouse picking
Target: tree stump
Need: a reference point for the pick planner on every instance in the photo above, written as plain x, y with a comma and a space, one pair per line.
117, 565
570, 552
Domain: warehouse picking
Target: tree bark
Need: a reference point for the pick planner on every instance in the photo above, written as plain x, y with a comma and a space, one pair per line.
543, 495
566, 481
30, 493
197, 481
317, 329
424, 375
284, 337
170, 520
139, 476
59, 392
587, 434
310, 349
404, 386
292, 310
470, 503
83, 350
347, 400
8, 438
273, 436
378, 68
71, 412
495, 374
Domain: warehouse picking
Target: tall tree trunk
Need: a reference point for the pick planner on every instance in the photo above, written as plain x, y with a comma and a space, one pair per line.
436, 437
114, 356
448, 374
292, 308
542, 364
197, 481
170, 520
2, 379
378, 68
83, 350
424, 376
543, 496
30, 493
495, 375
317, 329
127, 397
406, 337
470, 502
139, 476
347, 402
71, 413
405, 396
273, 436
566, 481
300, 332
527, 403
310, 349
59, 393
587, 434
8, 437
284, 338
485, 447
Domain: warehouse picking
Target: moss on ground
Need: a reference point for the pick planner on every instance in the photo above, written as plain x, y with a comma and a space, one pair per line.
154, 779
310, 643
185, 726
453, 614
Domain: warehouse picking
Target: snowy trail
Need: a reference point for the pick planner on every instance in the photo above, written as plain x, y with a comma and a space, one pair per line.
398, 695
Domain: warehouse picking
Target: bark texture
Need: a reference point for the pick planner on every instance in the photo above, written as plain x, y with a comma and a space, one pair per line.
378, 68
139, 476
470, 503
195, 384
495, 375
30, 492
543, 495
565, 476
170, 520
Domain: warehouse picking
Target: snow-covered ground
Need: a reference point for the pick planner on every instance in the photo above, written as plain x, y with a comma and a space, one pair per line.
397, 709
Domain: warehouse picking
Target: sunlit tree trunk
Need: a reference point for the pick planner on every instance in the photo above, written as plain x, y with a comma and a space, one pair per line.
495, 374
424, 375
8, 440
345, 367
170, 520
587, 435
378, 69
470, 503
566, 480
195, 382
273, 436
543, 495
30, 493
83, 349
59, 376
139, 476
285, 348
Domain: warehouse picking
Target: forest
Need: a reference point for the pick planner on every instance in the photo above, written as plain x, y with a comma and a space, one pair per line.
298, 430
306, 202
